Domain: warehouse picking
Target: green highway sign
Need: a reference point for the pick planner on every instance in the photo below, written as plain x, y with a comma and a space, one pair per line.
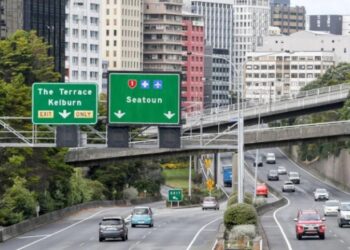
144, 98
64, 103
175, 195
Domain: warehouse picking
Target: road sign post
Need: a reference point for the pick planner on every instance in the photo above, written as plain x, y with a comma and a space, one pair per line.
144, 98
175, 195
64, 103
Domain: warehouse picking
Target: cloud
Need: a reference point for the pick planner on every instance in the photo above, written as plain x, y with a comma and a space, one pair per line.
324, 7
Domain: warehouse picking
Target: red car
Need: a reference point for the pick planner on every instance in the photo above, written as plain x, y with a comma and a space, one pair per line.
309, 223
262, 190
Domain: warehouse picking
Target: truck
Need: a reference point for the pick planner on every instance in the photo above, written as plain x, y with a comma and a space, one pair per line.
227, 173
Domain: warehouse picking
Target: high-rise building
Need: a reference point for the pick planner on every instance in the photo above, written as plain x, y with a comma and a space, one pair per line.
271, 76
346, 26
235, 25
83, 37
288, 19
327, 23
122, 34
163, 34
192, 87
280, 2
220, 77
47, 17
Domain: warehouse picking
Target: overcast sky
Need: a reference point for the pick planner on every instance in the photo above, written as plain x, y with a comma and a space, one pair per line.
314, 7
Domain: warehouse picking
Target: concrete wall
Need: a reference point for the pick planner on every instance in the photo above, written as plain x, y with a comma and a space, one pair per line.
334, 169
31, 224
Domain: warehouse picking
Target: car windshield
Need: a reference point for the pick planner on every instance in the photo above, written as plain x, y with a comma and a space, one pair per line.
273, 172
309, 217
321, 191
345, 207
209, 199
332, 203
293, 174
288, 183
111, 222
281, 168
140, 211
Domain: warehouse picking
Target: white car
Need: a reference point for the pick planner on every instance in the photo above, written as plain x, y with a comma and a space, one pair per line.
294, 177
344, 214
288, 186
281, 170
270, 158
321, 194
331, 207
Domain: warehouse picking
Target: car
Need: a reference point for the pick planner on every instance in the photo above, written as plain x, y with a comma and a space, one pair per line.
309, 223
210, 203
321, 194
270, 158
259, 161
273, 175
331, 207
294, 177
344, 214
142, 216
113, 227
288, 186
262, 190
281, 170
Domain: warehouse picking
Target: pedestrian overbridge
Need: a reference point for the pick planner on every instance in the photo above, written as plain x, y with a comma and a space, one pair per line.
212, 143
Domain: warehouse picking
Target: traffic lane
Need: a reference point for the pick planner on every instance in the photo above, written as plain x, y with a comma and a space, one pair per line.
69, 228
181, 229
303, 199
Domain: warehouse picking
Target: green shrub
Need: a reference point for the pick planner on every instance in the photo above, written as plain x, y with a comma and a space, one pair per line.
240, 214
248, 198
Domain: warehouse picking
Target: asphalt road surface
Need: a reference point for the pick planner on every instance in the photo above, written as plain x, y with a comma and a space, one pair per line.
174, 229
280, 226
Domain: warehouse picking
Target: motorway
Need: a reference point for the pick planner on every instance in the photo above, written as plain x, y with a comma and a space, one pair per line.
336, 238
173, 229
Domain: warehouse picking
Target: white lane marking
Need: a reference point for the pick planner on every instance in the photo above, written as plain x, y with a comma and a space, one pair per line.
279, 225
335, 235
32, 236
62, 230
200, 230
342, 241
82, 244
214, 246
144, 237
328, 184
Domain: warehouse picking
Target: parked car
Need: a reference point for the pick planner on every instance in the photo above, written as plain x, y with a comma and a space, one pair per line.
331, 207
288, 186
210, 203
113, 227
294, 177
309, 223
272, 175
270, 158
142, 216
262, 190
321, 194
259, 162
281, 170
344, 214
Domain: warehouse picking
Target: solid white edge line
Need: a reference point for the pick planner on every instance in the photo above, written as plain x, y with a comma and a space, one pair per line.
310, 174
279, 225
216, 241
200, 230
63, 229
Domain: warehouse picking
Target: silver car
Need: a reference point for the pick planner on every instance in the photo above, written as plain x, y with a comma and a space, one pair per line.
288, 186
321, 194
331, 207
210, 203
281, 170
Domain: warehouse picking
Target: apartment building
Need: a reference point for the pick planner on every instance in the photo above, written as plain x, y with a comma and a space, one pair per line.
83, 38
288, 19
163, 35
192, 88
271, 76
122, 34
309, 41
46, 17
236, 25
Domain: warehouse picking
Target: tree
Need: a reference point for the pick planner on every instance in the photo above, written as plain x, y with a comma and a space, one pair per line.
24, 53
17, 203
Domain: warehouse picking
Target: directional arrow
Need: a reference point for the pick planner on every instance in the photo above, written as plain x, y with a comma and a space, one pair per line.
174, 198
64, 114
119, 114
169, 115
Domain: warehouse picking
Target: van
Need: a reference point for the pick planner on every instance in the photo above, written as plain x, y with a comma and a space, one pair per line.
270, 158
344, 214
